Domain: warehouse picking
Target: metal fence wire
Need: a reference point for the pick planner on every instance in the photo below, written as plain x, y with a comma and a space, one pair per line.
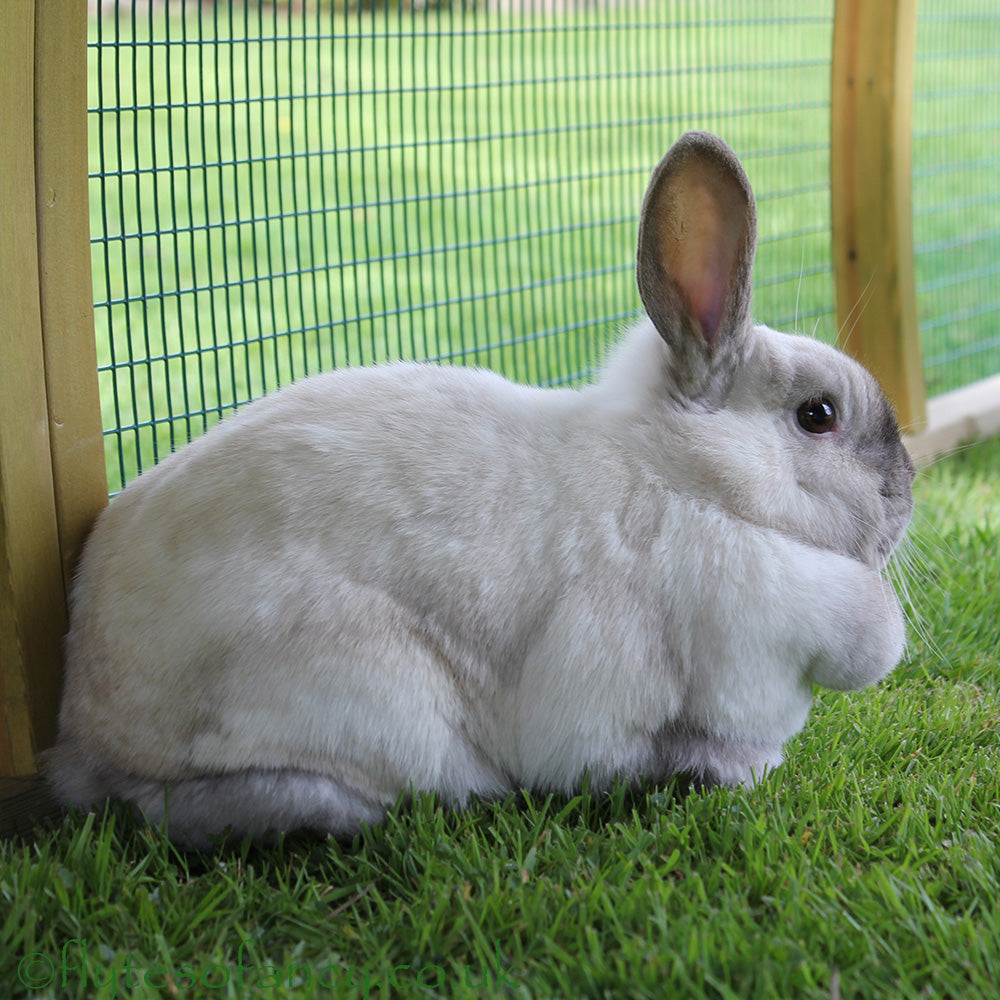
278, 189
956, 190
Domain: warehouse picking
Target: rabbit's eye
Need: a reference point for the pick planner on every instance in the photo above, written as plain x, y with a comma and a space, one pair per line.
817, 416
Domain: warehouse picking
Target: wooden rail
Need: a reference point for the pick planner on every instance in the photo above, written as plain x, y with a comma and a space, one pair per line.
52, 478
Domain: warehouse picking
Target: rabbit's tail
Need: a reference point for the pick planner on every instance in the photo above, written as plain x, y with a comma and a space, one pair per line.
195, 811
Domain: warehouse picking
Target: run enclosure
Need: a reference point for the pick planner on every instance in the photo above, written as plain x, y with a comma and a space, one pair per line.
251, 193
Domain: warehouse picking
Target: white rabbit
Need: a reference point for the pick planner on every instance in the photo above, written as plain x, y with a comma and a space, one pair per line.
414, 577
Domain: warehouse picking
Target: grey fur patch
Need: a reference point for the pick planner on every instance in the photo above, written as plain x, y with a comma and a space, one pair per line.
709, 759
198, 811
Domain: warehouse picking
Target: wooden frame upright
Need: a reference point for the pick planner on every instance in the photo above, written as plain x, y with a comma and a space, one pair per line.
52, 476
874, 53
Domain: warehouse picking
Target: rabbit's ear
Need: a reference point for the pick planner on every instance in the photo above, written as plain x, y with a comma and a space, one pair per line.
697, 235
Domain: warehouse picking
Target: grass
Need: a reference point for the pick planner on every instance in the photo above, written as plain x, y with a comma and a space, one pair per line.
274, 193
865, 867
277, 191
956, 210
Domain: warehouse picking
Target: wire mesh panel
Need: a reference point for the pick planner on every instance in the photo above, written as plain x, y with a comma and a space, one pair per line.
284, 188
956, 190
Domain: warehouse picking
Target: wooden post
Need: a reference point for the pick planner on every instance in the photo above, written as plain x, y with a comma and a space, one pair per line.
874, 47
52, 479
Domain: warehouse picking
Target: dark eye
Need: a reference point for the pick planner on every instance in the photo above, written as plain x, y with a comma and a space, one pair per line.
817, 416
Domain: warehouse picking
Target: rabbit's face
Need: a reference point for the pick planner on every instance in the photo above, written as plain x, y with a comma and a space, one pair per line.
783, 431
812, 449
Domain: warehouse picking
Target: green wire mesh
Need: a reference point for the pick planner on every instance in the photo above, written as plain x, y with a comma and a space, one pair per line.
279, 189
956, 190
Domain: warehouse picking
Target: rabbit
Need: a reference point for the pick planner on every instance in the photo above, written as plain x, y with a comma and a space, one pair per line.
413, 577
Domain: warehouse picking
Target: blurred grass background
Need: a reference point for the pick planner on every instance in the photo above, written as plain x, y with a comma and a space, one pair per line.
956, 190
277, 191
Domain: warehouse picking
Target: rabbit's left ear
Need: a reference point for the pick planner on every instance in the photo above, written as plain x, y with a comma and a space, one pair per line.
697, 235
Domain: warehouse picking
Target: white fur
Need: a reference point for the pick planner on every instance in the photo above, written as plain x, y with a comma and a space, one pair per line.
432, 578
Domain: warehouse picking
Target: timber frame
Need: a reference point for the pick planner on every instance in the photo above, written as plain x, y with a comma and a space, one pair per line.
52, 478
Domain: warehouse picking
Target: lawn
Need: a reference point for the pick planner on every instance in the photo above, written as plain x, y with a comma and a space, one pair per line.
274, 193
865, 867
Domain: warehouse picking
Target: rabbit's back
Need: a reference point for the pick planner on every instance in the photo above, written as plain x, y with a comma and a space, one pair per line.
252, 594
